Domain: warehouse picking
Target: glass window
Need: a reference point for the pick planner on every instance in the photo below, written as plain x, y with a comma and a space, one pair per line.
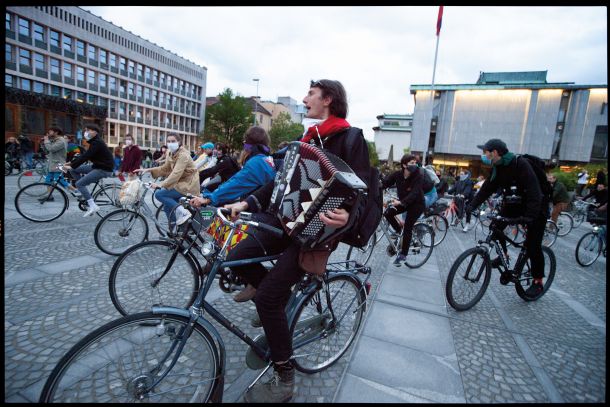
92, 51
123, 63
175, 82
8, 22
162, 78
55, 66
8, 79
147, 73
112, 81
55, 38
139, 91
8, 55
102, 101
55, 90
80, 73
25, 57
155, 75
146, 93
80, 96
130, 89
132, 67
67, 93
80, 48
39, 62
154, 95
67, 42
123, 85
112, 60
39, 87
24, 27
67, 70
103, 56
91, 75
39, 32
122, 107
140, 70
102, 80
162, 98
92, 99
26, 84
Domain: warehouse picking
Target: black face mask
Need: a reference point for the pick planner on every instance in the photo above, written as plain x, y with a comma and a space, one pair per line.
412, 168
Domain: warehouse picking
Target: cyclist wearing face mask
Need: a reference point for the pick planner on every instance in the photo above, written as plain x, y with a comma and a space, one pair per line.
462, 187
101, 165
132, 156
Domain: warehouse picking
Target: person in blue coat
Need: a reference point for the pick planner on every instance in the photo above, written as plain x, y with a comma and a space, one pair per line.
258, 169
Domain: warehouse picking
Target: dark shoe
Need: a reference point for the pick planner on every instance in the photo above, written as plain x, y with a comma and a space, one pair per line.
246, 294
399, 260
534, 290
279, 389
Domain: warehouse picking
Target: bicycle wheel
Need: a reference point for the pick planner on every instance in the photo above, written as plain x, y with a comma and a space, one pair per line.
119, 230
163, 226
155, 201
324, 326
525, 278
588, 249
107, 198
468, 279
481, 231
41, 202
422, 244
578, 217
440, 225
550, 234
133, 279
565, 223
118, 362
30, 177
361, 255
8, 168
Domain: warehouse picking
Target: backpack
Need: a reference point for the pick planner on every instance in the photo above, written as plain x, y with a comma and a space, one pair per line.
545, 186
428, 180
432, 176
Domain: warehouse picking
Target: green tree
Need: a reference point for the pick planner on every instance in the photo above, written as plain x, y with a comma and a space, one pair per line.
373, 156
283, 129
228, 119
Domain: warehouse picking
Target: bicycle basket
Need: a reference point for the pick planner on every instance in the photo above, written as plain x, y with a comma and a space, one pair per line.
131, 192
595, 218
220, 232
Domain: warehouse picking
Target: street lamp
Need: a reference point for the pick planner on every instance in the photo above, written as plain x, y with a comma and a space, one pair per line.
255, 101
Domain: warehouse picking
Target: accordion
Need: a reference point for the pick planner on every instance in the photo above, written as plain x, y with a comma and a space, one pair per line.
312, 182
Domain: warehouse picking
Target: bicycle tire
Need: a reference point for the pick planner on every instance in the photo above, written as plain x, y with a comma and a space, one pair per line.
118, 230
155, 201
132, 274
440, 225
8, 168
109, 364
422, 241
28, 204
481, 231
565, 223
587, 242
454, 280
30, 177
162, 220
525, 278
550, 234
107, 198
362, 255
312, 319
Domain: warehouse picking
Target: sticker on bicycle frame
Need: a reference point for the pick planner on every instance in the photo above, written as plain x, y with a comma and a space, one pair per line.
206, 215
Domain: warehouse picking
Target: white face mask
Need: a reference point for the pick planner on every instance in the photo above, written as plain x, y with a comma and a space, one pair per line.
173, 147
128, 142
309, 122
87, 136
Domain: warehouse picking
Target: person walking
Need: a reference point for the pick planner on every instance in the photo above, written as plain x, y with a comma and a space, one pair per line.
583, 177
132, 156
560, 199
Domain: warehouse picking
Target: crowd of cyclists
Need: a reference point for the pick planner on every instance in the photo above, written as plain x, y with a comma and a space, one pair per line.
216, 176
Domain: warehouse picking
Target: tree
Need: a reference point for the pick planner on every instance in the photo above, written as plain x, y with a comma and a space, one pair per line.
228, 119
373, 156
283, 129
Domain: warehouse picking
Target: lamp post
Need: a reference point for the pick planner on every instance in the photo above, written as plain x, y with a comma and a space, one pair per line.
255, 101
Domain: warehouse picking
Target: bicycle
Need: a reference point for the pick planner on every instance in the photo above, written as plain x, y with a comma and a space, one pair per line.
42, 202
452, 211
34, 175
565, 223
579, 211
515, 232
176, 355
592, 244
465, 288
11, 163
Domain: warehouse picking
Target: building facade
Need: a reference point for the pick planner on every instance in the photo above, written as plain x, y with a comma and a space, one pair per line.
393, 133
297, 111
559, 122
69, 53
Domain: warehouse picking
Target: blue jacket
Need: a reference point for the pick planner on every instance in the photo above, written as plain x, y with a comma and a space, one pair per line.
257, 171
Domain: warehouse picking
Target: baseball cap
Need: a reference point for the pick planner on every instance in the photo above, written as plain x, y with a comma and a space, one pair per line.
207, 145
494, 144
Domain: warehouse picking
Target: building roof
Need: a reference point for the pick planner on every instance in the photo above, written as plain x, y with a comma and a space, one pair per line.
395, 116
512, 77
258, 106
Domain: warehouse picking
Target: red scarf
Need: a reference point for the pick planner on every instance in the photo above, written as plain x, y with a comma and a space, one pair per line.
329, 126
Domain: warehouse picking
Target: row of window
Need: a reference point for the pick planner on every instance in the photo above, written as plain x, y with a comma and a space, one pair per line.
92, 77
83, 49
125, 110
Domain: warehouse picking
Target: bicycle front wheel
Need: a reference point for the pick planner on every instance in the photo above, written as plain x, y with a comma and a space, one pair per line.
440, 225
565, 223
327, 322
550, 234
468, 279
525, 278
151, 273
120, 361
588, 249
41, 202
422, 244
361, 255
119, 230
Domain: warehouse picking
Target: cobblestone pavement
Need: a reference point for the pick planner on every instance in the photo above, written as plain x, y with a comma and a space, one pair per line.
56, 291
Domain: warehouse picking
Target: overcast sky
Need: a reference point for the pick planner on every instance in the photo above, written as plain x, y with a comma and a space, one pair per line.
376, 52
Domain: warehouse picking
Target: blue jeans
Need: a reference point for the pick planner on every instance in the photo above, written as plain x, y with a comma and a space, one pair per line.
85, 175
430, 197
54, 175
169, 198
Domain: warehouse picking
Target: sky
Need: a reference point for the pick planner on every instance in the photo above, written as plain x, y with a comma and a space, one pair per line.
377, 53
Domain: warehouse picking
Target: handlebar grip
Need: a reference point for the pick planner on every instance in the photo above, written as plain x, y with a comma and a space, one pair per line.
273, 230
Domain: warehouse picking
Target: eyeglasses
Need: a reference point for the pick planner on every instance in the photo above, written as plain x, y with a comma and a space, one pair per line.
316, 84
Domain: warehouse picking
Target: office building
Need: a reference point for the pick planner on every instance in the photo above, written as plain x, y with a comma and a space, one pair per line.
393, 133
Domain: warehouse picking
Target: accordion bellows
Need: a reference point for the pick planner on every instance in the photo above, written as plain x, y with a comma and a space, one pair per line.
312, 182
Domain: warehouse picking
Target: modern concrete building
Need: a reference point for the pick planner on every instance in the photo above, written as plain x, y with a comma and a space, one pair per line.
297, 111
559, 122
67, 52
393, 131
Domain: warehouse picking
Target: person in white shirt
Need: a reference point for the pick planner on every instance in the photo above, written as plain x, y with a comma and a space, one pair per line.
583, 177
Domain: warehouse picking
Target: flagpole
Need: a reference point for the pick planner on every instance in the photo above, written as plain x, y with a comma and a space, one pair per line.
438, 36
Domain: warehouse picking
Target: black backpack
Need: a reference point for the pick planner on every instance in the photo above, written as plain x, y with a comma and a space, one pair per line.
538, 166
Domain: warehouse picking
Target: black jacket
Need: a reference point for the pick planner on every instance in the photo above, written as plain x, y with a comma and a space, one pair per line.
462, 188
98, 153
410, 190
601, 197
226, 167
517, 173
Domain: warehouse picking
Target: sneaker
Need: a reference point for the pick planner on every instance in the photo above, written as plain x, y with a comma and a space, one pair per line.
465, 229
399, 260
279, 389
255, 320
534, 290
246, 294
182, 215
91, 211
46, 199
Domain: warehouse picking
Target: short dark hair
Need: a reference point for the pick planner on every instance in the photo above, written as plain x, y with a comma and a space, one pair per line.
176, 135
129, 135
406, 158
222, 147
56, 130
257, 135
94, 127
336, 91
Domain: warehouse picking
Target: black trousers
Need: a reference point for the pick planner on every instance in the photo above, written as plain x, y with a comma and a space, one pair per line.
461, 205
273, 287
413, 213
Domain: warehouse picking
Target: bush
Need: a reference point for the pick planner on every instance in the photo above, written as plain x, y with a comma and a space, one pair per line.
569, 179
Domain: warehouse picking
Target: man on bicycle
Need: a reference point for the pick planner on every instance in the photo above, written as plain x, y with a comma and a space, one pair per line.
101, 165
561, 199
462, 189
523, 201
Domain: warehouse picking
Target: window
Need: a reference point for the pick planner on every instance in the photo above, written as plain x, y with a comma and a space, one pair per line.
147, 73
67, 42
7, 24
140, 70
162, 98
80, 73
26, 84
55, 38
112, 81
181, 86
102, 102
162, 79
39, 87
55, 66
123, 64
130, 89
103, 56
24, 27
91, 75
155, 75
67, 93
123, 85
8, 79
8, 55
112, 106
55, 91
67, 70
25, 57
92, 99
155, 95
80, 96
132, 68
80, 48
146, 93
38, 32
92, 52
112, 60
39, 62
139, 91
122, 108
600, 143
102, 80
175, 83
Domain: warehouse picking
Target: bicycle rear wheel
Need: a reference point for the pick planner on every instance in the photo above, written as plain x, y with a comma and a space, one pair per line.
361, 255
550, 234
440, 225
468, 279
41, 202
118, 362
588, 249
422, 244
119, 230
30, 177
525, 278
107, 198
565, 223
324, 326
133, 279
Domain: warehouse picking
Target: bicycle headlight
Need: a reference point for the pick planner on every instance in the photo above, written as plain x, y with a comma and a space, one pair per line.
595, 228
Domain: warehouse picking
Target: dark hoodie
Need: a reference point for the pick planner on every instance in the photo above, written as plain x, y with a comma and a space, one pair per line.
410, 190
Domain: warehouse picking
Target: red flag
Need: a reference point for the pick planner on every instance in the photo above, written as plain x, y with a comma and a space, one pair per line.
439, 21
